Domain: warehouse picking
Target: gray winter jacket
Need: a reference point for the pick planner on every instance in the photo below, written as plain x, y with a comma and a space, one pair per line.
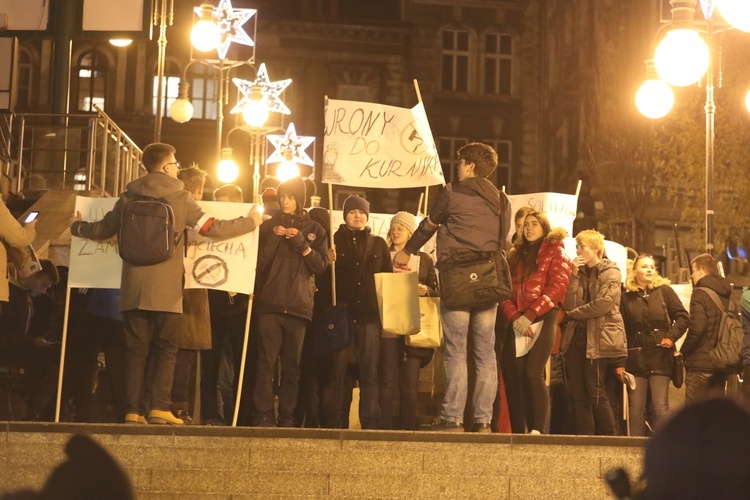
159, 287
605, 330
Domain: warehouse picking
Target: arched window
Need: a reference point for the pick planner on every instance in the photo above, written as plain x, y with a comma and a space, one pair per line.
203, 91
91, 77
25, 79
171, 83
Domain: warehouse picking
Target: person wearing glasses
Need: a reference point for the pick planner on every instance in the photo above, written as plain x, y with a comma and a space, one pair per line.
654, 319
151, 295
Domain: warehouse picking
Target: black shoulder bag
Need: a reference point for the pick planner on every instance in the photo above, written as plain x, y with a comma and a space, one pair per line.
334, 331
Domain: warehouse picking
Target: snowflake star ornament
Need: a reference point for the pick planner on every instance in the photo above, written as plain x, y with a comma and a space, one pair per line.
290, 141
230, 23
270, 92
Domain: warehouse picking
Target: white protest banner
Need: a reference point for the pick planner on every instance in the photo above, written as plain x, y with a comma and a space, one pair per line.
374, 145
94, 264
223, 265
613, 251
379, 225
561, 209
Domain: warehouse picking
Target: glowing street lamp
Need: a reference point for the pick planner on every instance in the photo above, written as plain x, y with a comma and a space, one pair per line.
655, 98
227, 170
205, 35
683, 58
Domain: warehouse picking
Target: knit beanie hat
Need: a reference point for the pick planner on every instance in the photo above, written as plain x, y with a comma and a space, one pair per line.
405, 219
356, 202
322, 217
295, 187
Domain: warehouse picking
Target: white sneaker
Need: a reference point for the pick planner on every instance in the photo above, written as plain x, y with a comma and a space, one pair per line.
535, 432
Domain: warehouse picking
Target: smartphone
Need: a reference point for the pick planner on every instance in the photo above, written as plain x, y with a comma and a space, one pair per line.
31, 217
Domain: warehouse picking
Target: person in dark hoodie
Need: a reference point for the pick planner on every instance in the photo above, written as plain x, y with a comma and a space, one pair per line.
701, 380
468, 215
358, 256
151, 295
291, 251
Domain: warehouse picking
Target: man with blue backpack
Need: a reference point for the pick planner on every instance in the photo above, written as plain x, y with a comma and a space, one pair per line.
150, 220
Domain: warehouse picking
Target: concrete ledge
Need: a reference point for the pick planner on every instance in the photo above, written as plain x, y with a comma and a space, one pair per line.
223, 462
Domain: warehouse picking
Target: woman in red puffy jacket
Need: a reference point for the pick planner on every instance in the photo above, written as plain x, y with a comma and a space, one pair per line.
540, 271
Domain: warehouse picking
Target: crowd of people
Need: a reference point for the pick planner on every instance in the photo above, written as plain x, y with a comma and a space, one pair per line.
557, 353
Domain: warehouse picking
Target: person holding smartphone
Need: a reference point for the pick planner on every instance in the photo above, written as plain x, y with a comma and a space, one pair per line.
14, 234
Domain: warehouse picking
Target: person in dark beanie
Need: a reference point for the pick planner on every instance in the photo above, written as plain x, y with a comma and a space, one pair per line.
292, 249
358, 256
470, 214
270, 199
702, 451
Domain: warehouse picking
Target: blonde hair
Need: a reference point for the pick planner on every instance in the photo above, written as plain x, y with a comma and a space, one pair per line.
592, 239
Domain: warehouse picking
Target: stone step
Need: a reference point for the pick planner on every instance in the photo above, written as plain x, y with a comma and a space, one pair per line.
223, 462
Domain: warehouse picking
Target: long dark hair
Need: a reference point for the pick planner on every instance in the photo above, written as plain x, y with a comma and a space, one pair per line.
527, 252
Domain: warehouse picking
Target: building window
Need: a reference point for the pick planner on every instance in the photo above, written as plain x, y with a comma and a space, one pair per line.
25, 79
448, 150
348, 92
455, 61
498, 63
170, 92
504, 150
91, 73
203, 92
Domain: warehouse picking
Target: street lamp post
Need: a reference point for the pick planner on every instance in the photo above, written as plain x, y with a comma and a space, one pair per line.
164, 15
682, 58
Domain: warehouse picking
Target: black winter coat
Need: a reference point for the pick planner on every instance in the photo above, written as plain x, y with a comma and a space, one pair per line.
650, 316
355, 288
287, 282
704, 322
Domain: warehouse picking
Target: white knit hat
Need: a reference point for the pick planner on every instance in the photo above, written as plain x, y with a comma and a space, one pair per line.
405, 219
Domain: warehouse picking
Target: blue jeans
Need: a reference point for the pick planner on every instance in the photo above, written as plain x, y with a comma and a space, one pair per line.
658, 386
458, 326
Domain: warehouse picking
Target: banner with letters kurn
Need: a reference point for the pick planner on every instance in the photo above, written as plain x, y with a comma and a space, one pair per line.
378, 146
221, 265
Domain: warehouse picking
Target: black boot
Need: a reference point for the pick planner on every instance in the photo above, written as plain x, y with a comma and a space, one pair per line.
182, 410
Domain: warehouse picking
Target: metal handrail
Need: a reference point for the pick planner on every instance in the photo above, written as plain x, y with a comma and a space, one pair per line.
101, 131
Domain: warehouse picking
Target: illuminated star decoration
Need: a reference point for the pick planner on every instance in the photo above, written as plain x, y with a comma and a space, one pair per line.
291, 141
270, 92
230, 23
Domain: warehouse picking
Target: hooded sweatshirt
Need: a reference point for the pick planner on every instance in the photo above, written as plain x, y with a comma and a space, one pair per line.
159, 287
471, 215
286, 276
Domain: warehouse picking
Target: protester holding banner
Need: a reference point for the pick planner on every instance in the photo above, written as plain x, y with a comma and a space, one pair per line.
399, 363
292, 249
654, 320
358, 256
14, 234
194, 333
594, 341
151, 298
541, 274
469, 215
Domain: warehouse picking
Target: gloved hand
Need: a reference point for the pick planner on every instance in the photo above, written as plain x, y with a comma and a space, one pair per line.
298, 243
521, 324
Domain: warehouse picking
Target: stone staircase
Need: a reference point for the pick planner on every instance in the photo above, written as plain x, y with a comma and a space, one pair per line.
249, 463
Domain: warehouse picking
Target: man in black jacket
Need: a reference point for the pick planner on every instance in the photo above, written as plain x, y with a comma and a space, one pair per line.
292, 249
701, 379
470, 214
358, 256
